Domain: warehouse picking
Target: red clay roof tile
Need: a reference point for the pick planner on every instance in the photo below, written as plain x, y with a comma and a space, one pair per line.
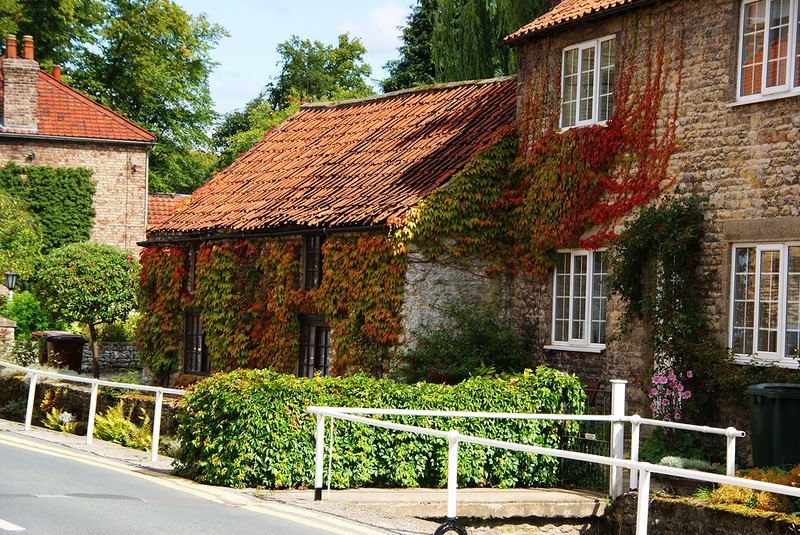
566, 12
353, 163
64, 112
161, 205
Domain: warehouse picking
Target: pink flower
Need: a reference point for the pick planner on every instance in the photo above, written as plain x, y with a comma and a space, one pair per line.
686, 395
665, 402
689, 374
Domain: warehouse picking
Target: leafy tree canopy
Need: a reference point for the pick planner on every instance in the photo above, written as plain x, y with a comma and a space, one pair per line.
20, 239
415, 66
315, 71
453, 40
149, 60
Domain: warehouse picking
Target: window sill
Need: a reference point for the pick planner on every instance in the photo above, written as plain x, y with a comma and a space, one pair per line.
763, 98
576, 349
789, 364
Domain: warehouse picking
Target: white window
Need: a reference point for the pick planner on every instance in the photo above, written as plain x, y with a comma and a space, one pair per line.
579, 301
769, 55
765, 302
587, 82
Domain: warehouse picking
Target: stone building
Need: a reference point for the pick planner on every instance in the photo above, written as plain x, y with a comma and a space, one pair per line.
331, 172
738, 144
45, 122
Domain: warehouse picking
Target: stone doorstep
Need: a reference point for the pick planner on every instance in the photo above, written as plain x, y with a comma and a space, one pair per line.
471, 503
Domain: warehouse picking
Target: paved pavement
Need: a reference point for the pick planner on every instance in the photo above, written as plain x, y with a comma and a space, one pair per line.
399, 511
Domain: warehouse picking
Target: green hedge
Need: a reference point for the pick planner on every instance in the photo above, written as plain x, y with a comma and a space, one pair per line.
250, 428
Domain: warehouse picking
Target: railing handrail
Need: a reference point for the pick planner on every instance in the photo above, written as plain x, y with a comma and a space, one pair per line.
640, 472
88, 380
95, 384
710, 477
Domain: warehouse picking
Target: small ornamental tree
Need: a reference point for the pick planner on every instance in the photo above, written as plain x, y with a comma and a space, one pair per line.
88, 283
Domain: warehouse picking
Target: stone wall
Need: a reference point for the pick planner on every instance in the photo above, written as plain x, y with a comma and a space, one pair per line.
744, 158
669, 516
114, 357
119, 173
430, 286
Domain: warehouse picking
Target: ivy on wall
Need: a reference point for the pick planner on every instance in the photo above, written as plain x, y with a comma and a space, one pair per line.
59, 197
159, 331
249, 299
560, 189
360, 296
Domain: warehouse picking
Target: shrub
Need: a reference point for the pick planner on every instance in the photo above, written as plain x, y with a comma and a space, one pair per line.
756, 499
251, 428
469, 341
26, 311
115, 425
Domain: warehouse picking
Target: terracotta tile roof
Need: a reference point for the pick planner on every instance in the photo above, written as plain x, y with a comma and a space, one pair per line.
352, 163
568, 11
161, 205
64, 112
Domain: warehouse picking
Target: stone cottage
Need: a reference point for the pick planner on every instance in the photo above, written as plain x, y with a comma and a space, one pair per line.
730, 86
284, 258
45, 122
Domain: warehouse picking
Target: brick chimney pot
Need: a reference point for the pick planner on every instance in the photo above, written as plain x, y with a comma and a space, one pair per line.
27, 47
11, 46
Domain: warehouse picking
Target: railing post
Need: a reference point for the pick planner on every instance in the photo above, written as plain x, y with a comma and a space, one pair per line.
319, 457
730, 457
643, 503
617, 436
452, 473
92, 410
156, 425
31, 401
636, 426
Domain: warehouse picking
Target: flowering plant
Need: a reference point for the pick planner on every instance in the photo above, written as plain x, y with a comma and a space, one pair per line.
667, 395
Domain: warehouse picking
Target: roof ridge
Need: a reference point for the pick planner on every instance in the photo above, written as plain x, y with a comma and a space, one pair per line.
417, 89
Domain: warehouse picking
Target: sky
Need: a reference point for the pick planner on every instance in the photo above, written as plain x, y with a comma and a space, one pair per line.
247, 60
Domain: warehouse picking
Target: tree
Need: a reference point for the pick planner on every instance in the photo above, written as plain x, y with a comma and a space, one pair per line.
415, 66
59, 27
88, 283
20, 240
314, 71
151, 63
466, 32
10, 16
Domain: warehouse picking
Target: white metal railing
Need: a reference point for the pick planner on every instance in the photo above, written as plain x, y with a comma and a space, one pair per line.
640, 472
95, 384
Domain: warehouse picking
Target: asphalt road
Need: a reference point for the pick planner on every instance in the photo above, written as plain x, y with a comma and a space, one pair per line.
46, 492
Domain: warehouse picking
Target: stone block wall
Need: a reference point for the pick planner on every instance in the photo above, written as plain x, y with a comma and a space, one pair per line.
745, 158
119, 173
430, 286
114, 357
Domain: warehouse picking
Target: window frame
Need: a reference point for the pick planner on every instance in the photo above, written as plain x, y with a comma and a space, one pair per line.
196, 360
312, 260
308, 364
595, 45
791, 83
777, 357
572, 342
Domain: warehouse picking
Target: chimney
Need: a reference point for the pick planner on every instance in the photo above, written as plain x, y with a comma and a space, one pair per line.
20, 93
11, 46
57, 72
27, 47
